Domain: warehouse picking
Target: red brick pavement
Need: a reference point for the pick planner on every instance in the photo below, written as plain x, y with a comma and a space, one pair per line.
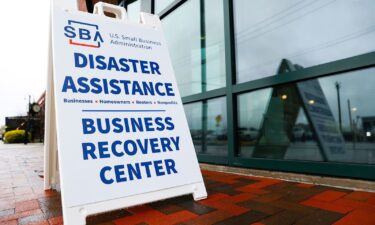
233, 200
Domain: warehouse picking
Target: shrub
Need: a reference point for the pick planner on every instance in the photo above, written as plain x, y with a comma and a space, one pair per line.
16, 136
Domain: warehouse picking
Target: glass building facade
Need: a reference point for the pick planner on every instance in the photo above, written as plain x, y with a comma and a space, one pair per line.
276, 85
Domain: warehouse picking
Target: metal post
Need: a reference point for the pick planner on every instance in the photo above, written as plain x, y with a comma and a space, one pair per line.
203, 47
230, 71
203, 75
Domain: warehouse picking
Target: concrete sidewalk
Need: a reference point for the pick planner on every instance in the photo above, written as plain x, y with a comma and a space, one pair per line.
233, 199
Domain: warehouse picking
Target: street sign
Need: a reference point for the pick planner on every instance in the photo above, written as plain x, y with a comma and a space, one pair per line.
122, 134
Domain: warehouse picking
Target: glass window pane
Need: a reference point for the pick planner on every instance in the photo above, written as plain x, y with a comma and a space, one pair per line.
193, 113
214, 42
357, 116
306, 32
161, 4
215, 123
133, 11
208, 126
304, 120
195, 38
182, 32
272, 124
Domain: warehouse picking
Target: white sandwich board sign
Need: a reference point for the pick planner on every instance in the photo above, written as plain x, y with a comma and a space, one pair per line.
122, 134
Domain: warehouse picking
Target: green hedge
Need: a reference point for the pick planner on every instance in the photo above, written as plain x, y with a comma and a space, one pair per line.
16, 136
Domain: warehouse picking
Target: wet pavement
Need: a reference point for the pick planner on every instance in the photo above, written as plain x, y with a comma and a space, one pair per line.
233, 199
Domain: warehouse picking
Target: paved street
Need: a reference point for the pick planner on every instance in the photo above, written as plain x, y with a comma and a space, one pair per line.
233, 199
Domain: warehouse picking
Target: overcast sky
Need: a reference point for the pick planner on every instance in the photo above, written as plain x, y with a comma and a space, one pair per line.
23, 54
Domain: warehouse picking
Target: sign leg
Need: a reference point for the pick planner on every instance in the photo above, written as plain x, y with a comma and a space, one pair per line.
50, 144
199, 192
74, 216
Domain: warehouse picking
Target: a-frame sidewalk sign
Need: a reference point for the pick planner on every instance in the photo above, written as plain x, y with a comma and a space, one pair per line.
116, 131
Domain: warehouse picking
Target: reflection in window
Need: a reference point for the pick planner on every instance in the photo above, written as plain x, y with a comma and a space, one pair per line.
195, 38
208, 126
308, 32
184, 46
193, 113
272, 124
357, 112
303, 121
214, 45
215, 124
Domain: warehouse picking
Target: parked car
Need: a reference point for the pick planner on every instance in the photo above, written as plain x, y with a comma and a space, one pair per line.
248, 133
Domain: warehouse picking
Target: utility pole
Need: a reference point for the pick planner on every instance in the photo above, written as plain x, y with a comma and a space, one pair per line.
338, 86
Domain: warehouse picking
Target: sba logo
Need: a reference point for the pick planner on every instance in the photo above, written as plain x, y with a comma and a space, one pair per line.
83, 34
